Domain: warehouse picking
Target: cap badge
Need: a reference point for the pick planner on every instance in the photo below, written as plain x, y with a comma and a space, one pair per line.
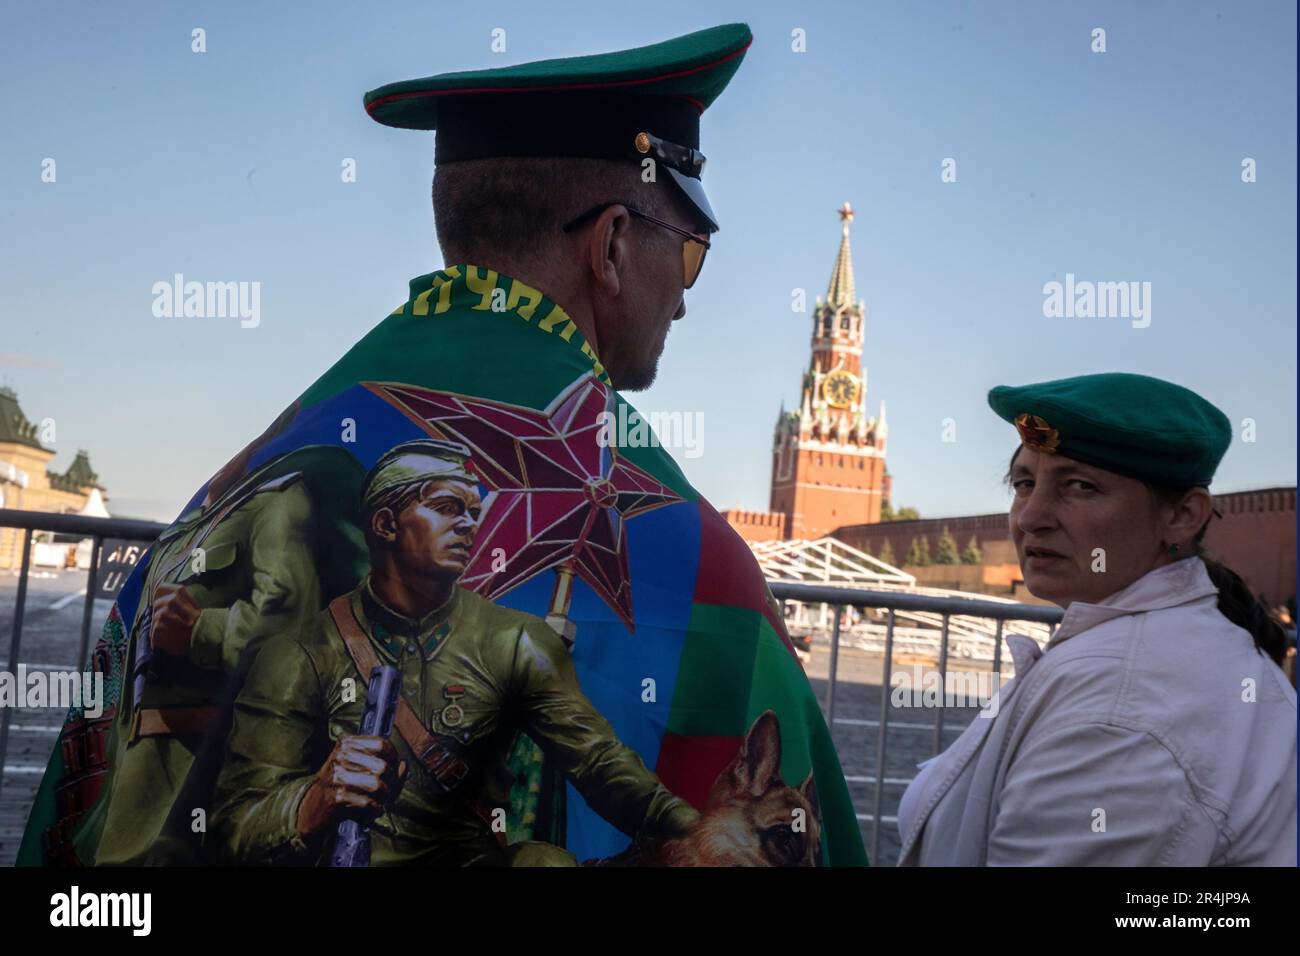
1036, 434
642, 142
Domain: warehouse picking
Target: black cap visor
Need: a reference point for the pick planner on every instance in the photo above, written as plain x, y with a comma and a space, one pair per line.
693, 190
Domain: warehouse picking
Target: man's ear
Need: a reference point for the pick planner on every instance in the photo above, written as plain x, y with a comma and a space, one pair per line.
608, 250
383, 525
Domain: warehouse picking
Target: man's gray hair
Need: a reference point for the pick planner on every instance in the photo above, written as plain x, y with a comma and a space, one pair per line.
515, 207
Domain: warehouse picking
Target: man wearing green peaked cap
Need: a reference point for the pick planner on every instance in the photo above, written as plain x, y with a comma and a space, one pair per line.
576, 188
581, 177
608, 629
631, 106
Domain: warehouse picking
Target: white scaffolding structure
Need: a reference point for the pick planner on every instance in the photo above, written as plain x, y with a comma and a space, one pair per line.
831, 562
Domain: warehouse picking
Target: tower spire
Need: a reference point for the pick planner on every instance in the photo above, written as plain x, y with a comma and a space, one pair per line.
828, 458
841, 292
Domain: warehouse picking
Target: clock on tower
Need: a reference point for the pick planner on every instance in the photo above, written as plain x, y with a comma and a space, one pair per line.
841, 389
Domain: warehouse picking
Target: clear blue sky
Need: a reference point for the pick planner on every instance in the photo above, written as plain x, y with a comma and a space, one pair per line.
225, 166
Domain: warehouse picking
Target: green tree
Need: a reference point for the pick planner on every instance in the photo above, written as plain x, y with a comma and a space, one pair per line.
926, 560
972, 553
904, 514
946, 552
887, 554
918, 553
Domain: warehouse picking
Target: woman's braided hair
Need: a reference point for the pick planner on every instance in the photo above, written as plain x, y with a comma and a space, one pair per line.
1236, 601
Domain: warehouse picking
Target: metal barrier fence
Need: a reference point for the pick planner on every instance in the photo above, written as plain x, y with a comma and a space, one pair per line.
893, 601
101, 529
98, 530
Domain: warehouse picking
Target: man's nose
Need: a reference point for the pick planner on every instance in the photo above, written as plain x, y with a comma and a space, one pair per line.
681, 309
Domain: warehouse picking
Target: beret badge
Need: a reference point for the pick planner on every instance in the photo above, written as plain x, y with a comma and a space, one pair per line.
1035, 433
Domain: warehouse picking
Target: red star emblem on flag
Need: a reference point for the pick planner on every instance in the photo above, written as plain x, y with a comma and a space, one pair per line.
557, 495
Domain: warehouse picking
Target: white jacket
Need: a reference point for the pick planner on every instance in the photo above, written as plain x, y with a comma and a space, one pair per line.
1150, 731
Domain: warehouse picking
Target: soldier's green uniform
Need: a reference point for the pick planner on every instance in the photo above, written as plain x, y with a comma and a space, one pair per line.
471, 670
257, 577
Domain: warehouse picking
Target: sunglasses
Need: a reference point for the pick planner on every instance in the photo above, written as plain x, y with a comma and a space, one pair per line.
694, 248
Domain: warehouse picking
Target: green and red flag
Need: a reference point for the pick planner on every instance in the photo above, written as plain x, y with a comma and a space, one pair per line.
674, 635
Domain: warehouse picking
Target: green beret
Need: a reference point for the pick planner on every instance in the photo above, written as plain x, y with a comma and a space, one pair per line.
1134, 425
416, 461
627, 105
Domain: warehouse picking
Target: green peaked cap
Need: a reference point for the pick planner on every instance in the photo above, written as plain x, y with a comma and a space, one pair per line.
627, 105
1134, 425
694, 67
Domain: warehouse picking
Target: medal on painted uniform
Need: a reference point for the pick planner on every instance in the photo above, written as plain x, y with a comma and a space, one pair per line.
452, 714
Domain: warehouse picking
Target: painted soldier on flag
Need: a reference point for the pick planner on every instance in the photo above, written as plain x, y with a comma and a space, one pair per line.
474, 673
569, 207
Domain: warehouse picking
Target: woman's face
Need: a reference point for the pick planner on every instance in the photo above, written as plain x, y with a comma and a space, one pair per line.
1081, 533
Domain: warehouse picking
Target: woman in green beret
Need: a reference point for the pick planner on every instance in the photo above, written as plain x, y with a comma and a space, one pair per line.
1155, 727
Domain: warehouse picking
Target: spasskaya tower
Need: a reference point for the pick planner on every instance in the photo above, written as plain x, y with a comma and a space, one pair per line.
828, 457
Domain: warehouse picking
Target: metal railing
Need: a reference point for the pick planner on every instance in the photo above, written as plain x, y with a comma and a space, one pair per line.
98, 530
101, 529
893, 602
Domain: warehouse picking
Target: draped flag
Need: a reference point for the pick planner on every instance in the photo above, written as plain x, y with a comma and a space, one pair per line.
610, 682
